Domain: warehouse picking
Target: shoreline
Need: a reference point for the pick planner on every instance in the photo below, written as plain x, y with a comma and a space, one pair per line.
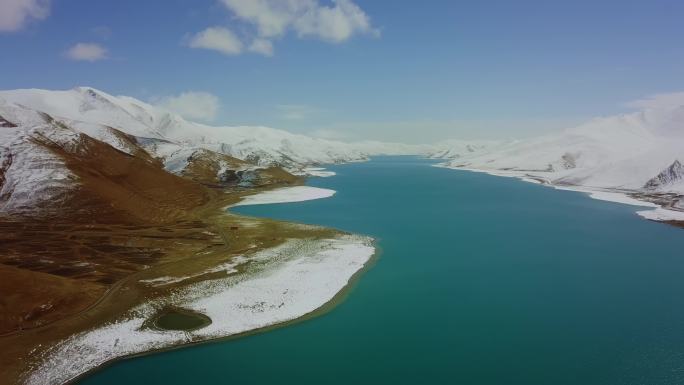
292, 194
327, 307
651, 211
344, 257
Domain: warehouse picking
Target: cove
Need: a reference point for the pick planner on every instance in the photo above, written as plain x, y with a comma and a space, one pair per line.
481, 280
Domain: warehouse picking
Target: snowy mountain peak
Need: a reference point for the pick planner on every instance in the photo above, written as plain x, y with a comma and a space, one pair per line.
671, 175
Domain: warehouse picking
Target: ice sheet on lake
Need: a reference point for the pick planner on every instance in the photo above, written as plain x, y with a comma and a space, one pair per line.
285, 195
661, 214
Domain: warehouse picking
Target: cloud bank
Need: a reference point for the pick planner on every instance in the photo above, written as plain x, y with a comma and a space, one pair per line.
86, 52
267, 20
193, 105
308, 18
218, 39
15, 14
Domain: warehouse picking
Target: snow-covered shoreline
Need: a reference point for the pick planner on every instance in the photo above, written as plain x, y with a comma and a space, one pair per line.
273, 286
281, 284
652, 211
319, 172
285, 195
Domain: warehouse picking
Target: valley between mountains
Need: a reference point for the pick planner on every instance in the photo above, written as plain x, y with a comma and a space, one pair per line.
113, 219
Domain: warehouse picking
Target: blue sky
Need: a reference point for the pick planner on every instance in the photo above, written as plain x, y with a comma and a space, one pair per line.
413, 71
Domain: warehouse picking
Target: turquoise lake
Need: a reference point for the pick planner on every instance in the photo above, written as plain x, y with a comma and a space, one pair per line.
481, 280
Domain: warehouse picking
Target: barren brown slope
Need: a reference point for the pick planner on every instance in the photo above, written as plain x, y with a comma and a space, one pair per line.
85, 240
116, 187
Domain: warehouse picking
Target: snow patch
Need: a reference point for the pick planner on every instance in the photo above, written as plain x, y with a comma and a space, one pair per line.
285, 195
661, 214
32, 174
228, 267
315, 171
322, 174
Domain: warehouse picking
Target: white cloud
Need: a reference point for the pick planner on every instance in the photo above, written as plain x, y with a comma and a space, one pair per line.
658, 101
262, 46
335, 24
193, 105
218, 39
272, 18
86, 52
295, 111
14, 14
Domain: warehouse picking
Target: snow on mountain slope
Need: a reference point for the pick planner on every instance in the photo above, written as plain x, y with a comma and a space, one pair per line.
615, 152
85, 105
638, 152
30, 173
668, 178
169, 135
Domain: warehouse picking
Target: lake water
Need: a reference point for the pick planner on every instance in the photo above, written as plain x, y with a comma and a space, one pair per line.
481, 280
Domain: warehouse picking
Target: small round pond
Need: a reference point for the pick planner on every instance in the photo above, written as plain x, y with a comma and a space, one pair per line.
175, 318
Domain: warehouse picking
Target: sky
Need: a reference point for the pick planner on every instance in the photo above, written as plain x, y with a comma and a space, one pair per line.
410, 71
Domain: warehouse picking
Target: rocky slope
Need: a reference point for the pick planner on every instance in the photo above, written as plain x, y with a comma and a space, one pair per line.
668, 178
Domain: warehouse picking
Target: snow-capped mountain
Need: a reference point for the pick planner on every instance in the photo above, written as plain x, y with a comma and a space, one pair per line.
171, 137
671, 176
624, 151
636, 152
52, 165
42, 129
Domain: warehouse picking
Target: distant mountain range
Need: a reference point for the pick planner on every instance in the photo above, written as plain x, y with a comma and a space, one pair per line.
639, 152
46, 135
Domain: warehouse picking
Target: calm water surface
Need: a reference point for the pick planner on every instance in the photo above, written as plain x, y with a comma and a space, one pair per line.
482, 280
